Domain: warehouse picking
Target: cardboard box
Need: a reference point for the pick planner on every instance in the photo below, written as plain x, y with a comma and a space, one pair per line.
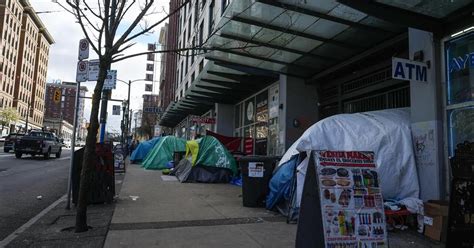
436, 208
436, 219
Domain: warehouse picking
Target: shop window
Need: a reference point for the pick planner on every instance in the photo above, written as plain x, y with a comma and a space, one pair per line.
460, 90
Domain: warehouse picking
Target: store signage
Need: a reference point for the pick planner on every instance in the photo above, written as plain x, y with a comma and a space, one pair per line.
152, 110
351, 199
461, 62
405, 69
93, 70
204, 120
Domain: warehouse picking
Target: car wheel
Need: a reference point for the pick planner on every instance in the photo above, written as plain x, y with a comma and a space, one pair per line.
47, 154
18, 154
58, 154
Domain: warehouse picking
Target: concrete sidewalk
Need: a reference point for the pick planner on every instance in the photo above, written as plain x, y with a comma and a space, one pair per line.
152, 212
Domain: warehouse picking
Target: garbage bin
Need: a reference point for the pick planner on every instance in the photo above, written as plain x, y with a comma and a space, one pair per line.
256, 174
102, 178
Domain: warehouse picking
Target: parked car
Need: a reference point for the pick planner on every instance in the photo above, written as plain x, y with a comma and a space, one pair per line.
38, 143
10, 141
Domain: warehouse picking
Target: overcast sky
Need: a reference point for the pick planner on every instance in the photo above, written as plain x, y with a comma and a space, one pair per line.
63, 54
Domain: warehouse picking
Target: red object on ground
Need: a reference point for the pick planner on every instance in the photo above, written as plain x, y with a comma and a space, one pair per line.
396, 216
231, 143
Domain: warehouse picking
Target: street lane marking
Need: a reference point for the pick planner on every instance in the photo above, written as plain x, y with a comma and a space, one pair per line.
32, 221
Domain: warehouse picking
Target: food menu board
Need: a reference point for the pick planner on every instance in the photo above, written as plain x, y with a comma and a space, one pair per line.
351, 200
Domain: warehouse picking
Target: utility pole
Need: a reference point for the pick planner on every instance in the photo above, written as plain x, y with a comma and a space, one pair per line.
73, 144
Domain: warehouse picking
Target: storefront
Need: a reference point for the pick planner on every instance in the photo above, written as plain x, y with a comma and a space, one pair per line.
257, 118
459, 66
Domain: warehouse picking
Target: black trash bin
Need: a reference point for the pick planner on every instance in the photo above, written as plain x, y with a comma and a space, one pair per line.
256, 174
102, 178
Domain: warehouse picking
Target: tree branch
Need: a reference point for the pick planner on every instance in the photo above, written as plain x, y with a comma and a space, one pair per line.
79, 19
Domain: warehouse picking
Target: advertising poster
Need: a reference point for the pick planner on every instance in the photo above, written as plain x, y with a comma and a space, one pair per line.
351, 200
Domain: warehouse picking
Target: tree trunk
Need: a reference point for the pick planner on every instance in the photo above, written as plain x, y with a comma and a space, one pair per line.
89, 152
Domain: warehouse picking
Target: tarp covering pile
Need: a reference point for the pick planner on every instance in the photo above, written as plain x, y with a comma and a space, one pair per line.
162, 153
231, 143
385, 132
209, 162
143, 149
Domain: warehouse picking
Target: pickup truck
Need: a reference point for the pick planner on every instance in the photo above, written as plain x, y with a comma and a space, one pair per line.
38, 143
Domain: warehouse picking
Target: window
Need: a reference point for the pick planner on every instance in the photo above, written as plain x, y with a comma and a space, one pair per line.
224, 4
460, 90
201, 30
196, 12
211, 18
189, 28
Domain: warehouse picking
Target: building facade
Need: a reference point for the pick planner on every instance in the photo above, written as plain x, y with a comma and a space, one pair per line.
61, 128
268, 70
64, 109
25, 44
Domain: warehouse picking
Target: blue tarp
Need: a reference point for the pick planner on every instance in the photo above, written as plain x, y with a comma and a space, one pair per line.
143, 149
280, 184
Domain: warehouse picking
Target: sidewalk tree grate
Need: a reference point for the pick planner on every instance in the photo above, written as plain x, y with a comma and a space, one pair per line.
194, 223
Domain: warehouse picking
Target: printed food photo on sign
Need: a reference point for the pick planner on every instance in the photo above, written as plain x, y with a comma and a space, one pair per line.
340, 224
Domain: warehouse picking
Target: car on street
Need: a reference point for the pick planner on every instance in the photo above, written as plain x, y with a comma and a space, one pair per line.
10, 141
38, 143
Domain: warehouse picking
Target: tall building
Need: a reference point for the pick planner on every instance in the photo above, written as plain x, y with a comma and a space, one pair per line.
149, 116
64, 109
268, 70
24, 45
167, 86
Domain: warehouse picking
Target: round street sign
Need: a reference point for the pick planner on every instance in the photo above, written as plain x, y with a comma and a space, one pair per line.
82, 66
84, 45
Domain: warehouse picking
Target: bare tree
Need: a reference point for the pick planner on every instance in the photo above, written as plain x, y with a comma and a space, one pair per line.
110, 36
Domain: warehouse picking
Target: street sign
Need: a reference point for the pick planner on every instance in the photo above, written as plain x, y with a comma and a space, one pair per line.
93, 70
116, 110
148, 87
81, 73
83, 49
57, 96
111, 80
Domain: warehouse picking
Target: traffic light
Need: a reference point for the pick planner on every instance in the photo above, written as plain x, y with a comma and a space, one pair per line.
57, 96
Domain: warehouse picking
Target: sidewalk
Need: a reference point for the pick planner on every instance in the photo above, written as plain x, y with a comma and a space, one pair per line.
172, 214
154, 212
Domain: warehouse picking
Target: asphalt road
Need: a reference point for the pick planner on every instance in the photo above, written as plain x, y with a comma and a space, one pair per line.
22, 181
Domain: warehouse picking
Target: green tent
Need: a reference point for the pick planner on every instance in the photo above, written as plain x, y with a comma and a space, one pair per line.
213, 163
163, 152
213, 153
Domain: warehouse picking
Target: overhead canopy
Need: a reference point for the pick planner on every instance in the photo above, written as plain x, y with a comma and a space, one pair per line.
304, 39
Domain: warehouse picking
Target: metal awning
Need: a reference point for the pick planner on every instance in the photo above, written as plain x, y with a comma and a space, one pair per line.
304, 39
219, 82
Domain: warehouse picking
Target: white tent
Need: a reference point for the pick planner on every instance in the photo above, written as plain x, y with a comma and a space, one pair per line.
385, 132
